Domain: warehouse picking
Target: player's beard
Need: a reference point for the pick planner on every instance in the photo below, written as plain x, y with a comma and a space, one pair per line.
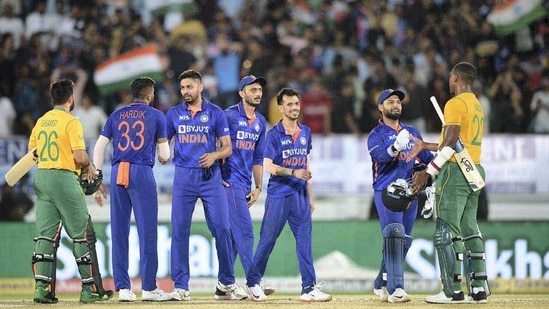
392, 115
290, 115
71, 107
251, 102
189, 99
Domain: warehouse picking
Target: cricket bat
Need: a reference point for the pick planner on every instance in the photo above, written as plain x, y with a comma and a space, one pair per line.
21, 167
463, 158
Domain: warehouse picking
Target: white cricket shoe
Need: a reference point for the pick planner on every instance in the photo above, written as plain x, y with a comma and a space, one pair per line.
315, 295
441, 298
180, 294
268, 290
229, 292
256, 293
155, 295
126, 295
382, 293
399, 296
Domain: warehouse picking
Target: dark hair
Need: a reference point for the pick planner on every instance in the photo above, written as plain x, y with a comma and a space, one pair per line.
286, 92
61, 90
141, 86
190, 74
465, 71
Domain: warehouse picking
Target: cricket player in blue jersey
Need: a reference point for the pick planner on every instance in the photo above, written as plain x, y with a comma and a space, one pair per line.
198, 126
289, 199
248, 129
135, 131
388, 145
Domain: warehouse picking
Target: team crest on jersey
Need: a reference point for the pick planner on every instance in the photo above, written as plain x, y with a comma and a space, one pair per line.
257, 127
204, 118
303, 140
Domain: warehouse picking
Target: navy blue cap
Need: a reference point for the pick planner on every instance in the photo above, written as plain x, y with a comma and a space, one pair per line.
250, 79
389, 92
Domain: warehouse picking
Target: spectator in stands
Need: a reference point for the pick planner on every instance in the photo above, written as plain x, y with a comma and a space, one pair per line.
91, 116
226, 64
10, 23
342, 115
7, 65
7, 116
506, 109
316, 107
416, 103
15, 203
540, 108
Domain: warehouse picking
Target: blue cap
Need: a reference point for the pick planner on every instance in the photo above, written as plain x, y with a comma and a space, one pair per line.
389, 92
250, 79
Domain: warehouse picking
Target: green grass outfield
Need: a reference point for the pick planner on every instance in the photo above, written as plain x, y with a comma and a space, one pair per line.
287, 301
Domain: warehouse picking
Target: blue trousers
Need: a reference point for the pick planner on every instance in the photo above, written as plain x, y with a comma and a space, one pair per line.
141, 197
386, 216
189, 185
242, 228
294, 209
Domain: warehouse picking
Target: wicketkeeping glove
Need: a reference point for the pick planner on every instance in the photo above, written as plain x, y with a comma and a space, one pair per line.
429, 206
402, 140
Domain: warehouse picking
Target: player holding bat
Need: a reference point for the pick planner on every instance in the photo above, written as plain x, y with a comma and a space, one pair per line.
457, 233
58, 138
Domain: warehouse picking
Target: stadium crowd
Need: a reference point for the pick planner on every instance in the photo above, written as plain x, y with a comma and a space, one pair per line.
339, 54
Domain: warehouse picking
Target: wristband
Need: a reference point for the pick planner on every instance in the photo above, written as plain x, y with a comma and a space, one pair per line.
258, 187
293, 172
392, 151
442, 157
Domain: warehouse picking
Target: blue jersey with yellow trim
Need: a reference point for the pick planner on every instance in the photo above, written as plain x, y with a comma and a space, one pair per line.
134, 130
290, 152
386, 169
248, 141
195, 135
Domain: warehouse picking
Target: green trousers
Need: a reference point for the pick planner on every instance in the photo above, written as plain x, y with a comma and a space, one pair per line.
457, 204
59, 198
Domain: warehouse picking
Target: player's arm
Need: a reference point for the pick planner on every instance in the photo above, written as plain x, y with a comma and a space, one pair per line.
278, 170
83, 163
206, 160
98, 158
99, 151
419, 146
163, 150
257, 173
310, 188
449, 139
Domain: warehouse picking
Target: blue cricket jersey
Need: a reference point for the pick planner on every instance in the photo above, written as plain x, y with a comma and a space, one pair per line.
386, 169
287, 152
248, 141
195, 136
137, 126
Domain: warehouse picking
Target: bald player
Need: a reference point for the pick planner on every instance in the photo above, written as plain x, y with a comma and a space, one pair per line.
457, 232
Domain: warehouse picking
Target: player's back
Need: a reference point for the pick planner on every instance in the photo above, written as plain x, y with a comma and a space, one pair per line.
55, 135
134, 130
465, 110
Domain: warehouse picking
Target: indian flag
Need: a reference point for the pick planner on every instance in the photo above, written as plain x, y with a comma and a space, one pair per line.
117, 73
513, 15
161, 7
